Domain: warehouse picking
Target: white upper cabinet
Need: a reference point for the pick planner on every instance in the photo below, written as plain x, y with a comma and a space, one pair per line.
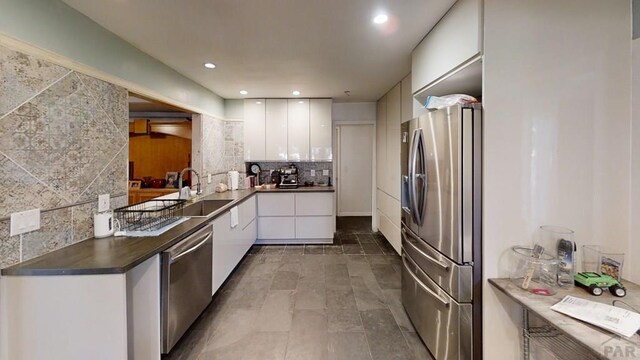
407, 100
254, 125
393, 142
455, 40
298, 130
381, 143
320, 129
287, 130
276, 129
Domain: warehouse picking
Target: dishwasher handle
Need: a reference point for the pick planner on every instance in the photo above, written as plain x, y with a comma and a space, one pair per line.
199, 241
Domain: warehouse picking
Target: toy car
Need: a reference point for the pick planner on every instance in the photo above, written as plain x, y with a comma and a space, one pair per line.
595, 283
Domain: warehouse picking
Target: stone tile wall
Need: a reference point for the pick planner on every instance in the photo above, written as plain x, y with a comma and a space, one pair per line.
304, 169
63, 141
222, 147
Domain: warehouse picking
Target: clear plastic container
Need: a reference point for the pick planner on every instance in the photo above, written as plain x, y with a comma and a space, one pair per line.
538, 276
601, 260
558, 241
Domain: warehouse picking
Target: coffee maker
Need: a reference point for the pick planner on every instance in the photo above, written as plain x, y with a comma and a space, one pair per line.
288, 177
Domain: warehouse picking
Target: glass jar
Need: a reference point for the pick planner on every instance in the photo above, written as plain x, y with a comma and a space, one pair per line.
558, 241
536, 275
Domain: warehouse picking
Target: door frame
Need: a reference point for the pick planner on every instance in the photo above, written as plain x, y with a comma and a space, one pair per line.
338, 176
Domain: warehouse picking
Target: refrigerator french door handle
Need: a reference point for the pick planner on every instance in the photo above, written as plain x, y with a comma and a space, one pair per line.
418, 152
412, 178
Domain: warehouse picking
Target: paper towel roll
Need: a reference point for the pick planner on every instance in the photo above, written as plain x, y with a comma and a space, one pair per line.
233, 179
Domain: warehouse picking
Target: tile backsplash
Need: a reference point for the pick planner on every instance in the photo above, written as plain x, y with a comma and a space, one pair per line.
63, 141
304, 169
222, 150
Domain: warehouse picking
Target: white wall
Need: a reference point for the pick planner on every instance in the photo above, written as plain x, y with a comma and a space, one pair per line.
234, 109
633, 267
362, 112
75, 41
557, 80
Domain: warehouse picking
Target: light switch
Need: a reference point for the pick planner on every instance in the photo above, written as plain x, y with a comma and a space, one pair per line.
24, 221
103, 202
208, 178
325, 172
313, 173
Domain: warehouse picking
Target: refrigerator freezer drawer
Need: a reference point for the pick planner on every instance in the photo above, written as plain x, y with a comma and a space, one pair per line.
444, 325
455, 279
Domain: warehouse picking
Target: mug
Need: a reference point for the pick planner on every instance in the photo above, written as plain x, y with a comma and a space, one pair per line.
103, 225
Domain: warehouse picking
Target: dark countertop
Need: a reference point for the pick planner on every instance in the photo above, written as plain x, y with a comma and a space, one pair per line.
117, 255
588, 336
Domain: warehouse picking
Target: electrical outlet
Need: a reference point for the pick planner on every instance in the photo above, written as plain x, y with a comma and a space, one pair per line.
325, 172
313, 173
208, 178
25, 221
103, 202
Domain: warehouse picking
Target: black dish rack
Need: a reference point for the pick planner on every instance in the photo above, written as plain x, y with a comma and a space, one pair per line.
149, 215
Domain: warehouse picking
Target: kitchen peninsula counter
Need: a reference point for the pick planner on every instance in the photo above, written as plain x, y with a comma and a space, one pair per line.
117, 255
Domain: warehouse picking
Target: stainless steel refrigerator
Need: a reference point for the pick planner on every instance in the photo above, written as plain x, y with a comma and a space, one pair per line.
441, 164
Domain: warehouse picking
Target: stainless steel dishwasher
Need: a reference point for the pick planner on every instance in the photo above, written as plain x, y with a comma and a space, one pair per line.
186, 284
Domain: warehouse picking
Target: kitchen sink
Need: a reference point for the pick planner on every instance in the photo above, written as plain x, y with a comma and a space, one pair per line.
202, 208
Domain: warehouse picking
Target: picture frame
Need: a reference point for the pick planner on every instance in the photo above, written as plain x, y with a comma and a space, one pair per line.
135, 184
171, 177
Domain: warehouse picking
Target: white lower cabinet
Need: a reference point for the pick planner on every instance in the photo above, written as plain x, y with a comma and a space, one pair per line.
231, 243
314, 227
289, 218
105, 316
276, 228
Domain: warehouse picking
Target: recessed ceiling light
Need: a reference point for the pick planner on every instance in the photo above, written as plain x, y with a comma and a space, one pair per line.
244, 92
380, 19
258, 102
295, 92
209, 65
300, 102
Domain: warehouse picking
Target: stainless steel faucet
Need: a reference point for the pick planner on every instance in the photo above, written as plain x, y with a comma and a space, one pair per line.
198, 192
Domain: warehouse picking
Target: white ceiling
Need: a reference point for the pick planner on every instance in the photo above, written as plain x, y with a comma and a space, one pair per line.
269, 48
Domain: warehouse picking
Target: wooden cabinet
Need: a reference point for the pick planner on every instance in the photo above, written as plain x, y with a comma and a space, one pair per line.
320, 129
298, 130
276, 114
254, 129
296, 218
288, 130
455, 40
140, 195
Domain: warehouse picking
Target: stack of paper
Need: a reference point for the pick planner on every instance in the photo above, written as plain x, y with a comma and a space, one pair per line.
617, 320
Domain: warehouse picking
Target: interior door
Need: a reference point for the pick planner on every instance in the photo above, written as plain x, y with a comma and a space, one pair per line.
355, 174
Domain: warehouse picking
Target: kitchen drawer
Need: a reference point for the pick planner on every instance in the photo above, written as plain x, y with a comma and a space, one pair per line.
314, 227
314, 204
276, 228
246, 212
276, 204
